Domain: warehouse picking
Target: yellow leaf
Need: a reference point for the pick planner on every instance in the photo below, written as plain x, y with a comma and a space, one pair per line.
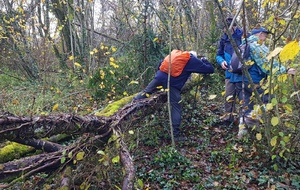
274, 53
70, 155
16, 102
258, 136
101, 152
283, 77
79, 156
269, 106
211, 97
273, 141
288, 107
289, 51
131, 132
223, 93
294, 93
240, 149
115, 159
44, 113
275, 121
228, 98
77, 64
71, 57
95, 50
55, 107
113, 49
134, 82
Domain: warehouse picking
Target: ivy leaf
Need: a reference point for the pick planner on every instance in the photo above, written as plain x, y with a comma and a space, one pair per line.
275, 167
274, 101
62, 160
79, 156
141, 184
275, 121
281, 134
269, 106
284, 99
258, 136
70, 155
286, 139
273, 141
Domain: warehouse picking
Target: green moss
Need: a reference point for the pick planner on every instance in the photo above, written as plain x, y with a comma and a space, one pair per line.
13, 150
114, 107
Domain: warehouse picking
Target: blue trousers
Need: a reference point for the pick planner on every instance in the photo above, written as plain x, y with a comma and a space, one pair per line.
246, 96
175, 99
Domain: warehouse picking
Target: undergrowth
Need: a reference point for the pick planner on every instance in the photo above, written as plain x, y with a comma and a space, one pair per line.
211, 158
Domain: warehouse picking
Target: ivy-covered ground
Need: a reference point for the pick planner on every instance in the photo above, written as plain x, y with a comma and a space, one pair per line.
211, 158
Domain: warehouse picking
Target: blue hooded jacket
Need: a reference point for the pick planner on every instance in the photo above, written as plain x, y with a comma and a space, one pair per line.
225, 49
194, 65
260, 68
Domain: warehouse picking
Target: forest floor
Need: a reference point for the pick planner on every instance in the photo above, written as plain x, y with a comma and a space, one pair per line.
211, 157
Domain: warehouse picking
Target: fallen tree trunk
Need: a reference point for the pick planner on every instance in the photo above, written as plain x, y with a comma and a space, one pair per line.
15, 128
20, 129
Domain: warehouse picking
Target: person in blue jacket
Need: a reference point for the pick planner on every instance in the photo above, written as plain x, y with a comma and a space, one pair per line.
224, 53
194, 65
258, 72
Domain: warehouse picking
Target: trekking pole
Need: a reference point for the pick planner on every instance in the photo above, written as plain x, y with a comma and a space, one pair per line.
295, 88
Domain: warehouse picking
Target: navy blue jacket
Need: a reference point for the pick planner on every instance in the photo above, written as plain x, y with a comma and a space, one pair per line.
194, 65
225, 49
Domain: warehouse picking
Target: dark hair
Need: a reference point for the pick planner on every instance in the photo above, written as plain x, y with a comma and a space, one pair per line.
228, 21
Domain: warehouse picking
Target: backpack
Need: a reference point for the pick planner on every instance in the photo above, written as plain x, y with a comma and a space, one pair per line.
178, 61
235, 64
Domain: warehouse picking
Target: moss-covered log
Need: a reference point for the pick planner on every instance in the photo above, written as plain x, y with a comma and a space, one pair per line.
99, 126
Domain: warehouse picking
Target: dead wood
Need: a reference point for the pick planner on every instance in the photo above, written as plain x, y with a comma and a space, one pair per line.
17, 128
47, 146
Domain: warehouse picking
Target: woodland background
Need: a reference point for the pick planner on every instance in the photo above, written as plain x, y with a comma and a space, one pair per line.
64, 62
